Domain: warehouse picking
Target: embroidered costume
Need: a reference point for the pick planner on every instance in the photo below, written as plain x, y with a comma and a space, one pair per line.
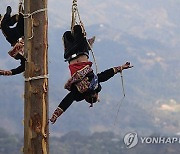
84, 84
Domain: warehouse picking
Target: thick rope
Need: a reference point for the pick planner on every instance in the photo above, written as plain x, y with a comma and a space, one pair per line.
74, 9
75, 15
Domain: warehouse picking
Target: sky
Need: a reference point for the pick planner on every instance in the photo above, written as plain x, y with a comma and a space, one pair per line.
138, 17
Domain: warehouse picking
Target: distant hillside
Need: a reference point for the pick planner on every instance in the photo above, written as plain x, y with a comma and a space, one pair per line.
145, 35
75, 142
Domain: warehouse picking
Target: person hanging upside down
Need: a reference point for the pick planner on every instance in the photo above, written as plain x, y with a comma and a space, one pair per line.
84, 84
13, 29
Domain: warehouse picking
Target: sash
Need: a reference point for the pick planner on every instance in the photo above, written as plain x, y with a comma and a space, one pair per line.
17, 48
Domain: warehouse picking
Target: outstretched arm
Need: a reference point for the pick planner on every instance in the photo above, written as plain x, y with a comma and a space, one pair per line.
107, 74
15, 71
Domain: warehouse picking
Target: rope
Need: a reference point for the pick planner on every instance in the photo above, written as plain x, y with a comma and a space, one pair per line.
75, 14
93, 57
37, 77
122, 99
122, 82
20, 10
74, 9
31, 16
35, 12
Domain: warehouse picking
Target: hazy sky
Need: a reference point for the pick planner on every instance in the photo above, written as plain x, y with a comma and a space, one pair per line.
156, 19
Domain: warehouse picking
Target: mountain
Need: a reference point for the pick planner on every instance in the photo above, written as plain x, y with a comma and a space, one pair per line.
99, 142
144, 33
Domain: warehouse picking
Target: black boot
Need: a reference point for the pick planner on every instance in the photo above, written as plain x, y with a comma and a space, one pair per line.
8, 10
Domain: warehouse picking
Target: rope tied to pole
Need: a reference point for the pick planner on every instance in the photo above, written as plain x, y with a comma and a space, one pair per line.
35, 12
37, 77
30, 15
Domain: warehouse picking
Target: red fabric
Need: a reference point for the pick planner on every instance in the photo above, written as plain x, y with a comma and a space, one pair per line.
78, 66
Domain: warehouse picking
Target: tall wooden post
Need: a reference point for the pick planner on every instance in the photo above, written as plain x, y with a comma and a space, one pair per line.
36, 130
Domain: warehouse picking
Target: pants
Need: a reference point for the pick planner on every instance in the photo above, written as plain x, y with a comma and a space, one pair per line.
14, 33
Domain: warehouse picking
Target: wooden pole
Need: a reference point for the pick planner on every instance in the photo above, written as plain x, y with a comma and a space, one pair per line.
36, 130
